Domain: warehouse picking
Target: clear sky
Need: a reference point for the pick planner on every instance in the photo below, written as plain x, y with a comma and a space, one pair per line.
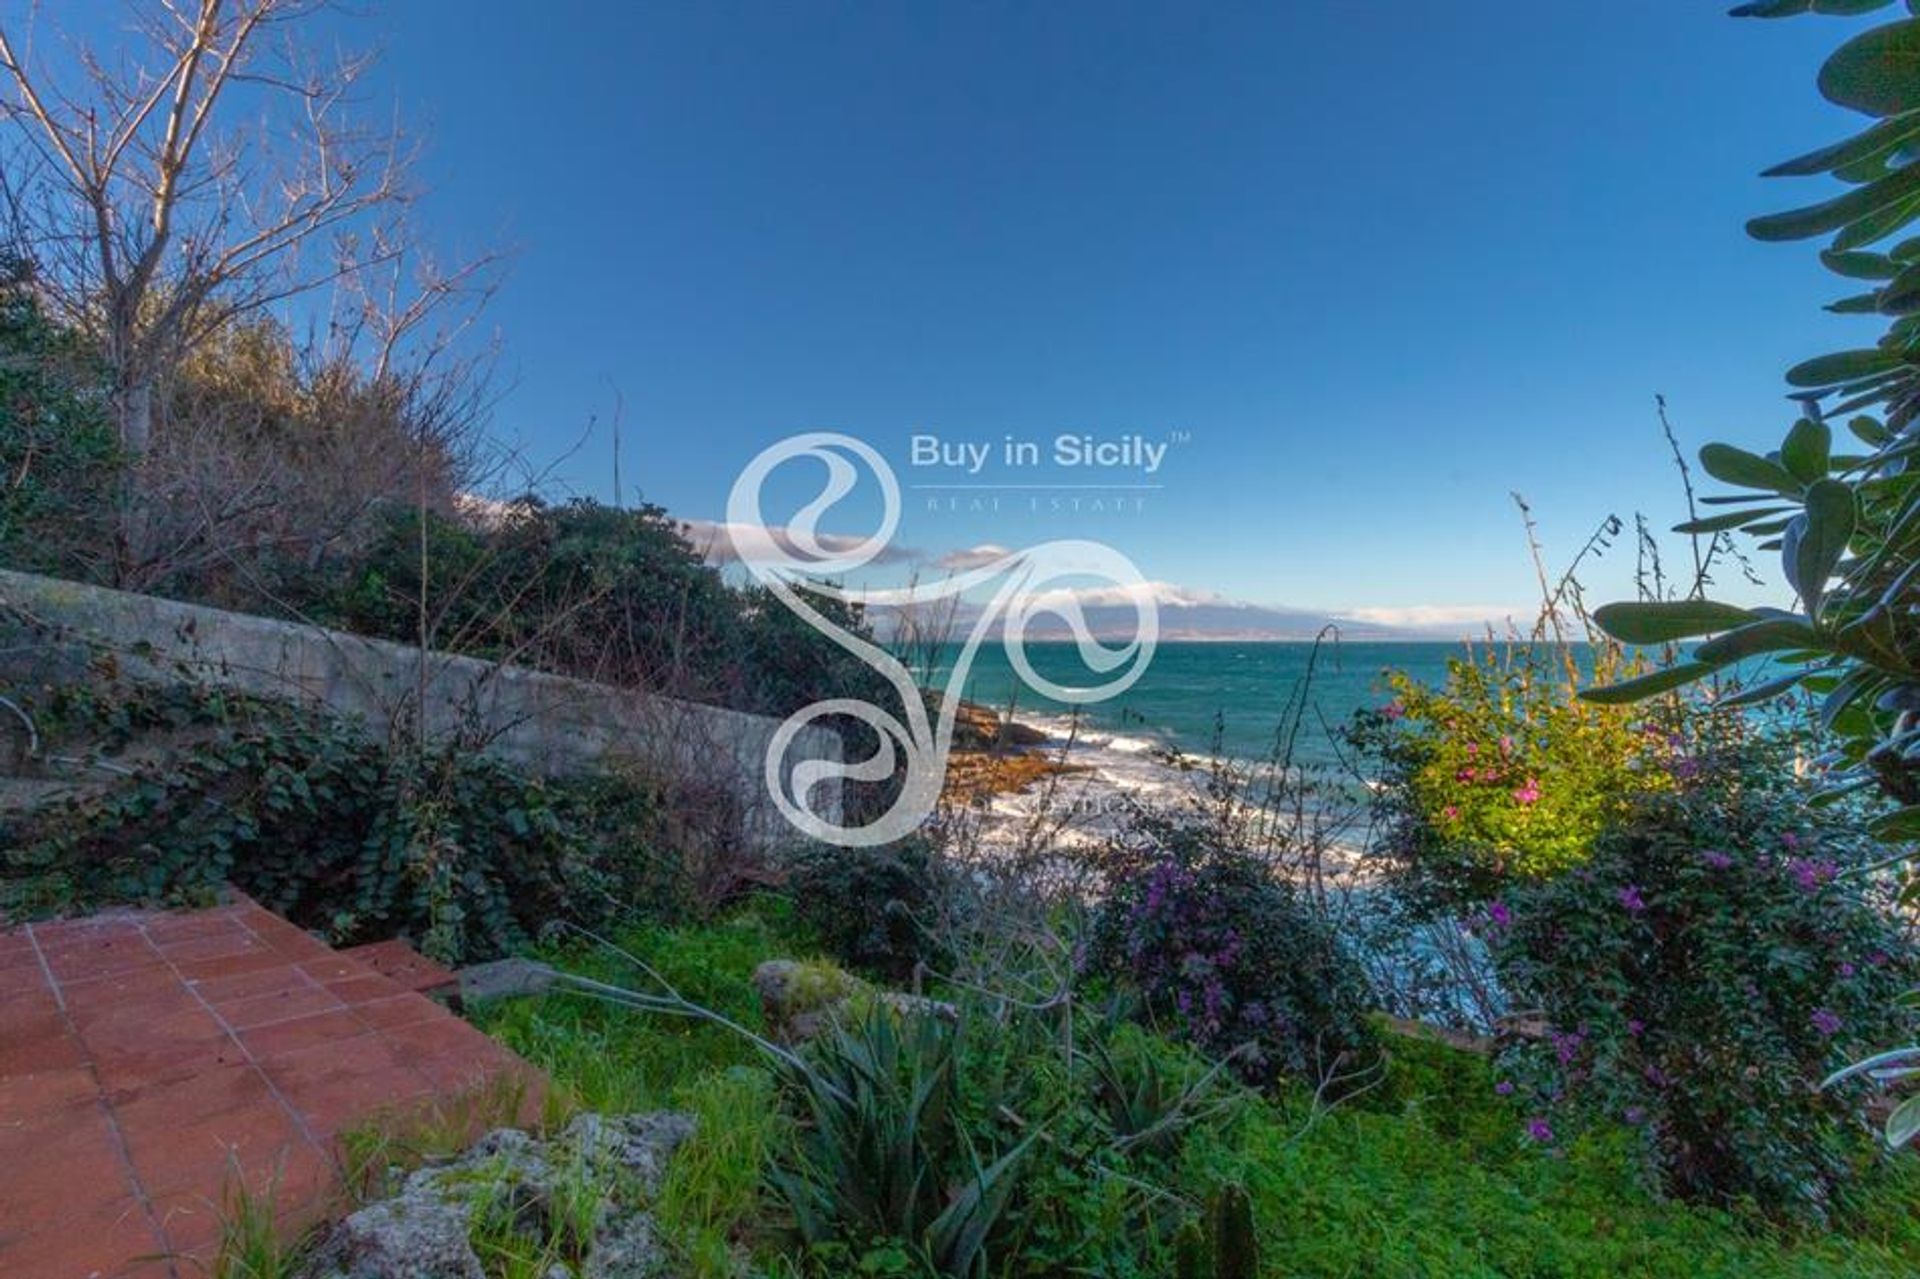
1382, 262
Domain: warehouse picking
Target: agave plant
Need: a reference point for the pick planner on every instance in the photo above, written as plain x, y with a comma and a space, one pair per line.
883, 1153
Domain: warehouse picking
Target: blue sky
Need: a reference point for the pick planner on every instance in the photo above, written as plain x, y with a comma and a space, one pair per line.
1383, 263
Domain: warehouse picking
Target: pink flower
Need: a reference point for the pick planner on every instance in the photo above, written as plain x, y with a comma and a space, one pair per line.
1393, 709
1450, 812
1528, 794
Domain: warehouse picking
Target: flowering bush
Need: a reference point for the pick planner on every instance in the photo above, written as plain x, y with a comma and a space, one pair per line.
1696, 979
1225, 955
1502, 773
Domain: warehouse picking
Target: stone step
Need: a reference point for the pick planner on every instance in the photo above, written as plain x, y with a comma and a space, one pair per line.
395, 960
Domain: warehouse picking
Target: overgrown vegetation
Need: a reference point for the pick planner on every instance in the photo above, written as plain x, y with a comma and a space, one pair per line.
1430, 1173
331, 828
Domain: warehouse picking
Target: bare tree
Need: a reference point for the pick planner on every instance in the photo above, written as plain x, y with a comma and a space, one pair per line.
204, 172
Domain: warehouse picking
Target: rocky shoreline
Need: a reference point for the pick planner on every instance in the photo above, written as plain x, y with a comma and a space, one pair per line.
993, 755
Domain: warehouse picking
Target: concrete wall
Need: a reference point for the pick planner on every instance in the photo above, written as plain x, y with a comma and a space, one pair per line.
545, 723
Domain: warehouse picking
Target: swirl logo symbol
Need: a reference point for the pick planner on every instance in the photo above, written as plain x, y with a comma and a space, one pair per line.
798, 561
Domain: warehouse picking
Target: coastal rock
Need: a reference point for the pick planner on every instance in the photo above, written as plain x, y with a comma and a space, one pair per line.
799, 1000
640, 1145
406, 1237
423, 1231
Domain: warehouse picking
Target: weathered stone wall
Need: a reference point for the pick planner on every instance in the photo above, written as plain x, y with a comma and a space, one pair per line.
547, 723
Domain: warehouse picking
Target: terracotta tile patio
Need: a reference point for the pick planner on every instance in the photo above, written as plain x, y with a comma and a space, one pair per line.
149, 1058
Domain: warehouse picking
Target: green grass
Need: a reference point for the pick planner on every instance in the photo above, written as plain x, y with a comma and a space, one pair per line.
1429, 1176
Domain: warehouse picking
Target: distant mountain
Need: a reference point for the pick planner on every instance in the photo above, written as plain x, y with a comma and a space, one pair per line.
1202, 615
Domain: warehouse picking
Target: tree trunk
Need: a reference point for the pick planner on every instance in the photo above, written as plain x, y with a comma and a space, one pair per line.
133, 408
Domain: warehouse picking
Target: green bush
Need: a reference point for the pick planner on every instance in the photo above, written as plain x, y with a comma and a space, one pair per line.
1501, 772
1715, 957
58, 449
341, 834
871, 907
1224, 954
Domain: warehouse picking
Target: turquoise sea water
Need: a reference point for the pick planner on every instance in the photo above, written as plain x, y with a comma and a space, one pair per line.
1242, 690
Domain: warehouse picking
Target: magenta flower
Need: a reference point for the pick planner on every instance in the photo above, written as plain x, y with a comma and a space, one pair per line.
1539, 1130
1826, 1022
1716, 859
1499, 914
1504, 1088
1393, 709
1631, 900
1635, 1026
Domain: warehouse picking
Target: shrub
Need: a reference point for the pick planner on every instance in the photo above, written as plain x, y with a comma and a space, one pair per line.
871, 907
1502, 772
58, 450
1224, 953
339, 833
1697, 977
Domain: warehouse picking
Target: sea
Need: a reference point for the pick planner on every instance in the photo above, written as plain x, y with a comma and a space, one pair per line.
1195, 702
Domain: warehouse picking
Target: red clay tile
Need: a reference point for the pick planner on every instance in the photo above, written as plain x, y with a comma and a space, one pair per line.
290, 940
129, 1051
365, 990
395, 959
136, 1085
403, 1010
279, 979
153, 988
331, 1027
336, 968
51, 1165
100, 956
219, 945
282, 1005
40, 1094
37, 1049
195, 1156
116, 1239
250, 959
332, 1090
165, 929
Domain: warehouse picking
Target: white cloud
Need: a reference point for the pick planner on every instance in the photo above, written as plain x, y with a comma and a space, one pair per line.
1165, 594
972, 557
1457, 617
